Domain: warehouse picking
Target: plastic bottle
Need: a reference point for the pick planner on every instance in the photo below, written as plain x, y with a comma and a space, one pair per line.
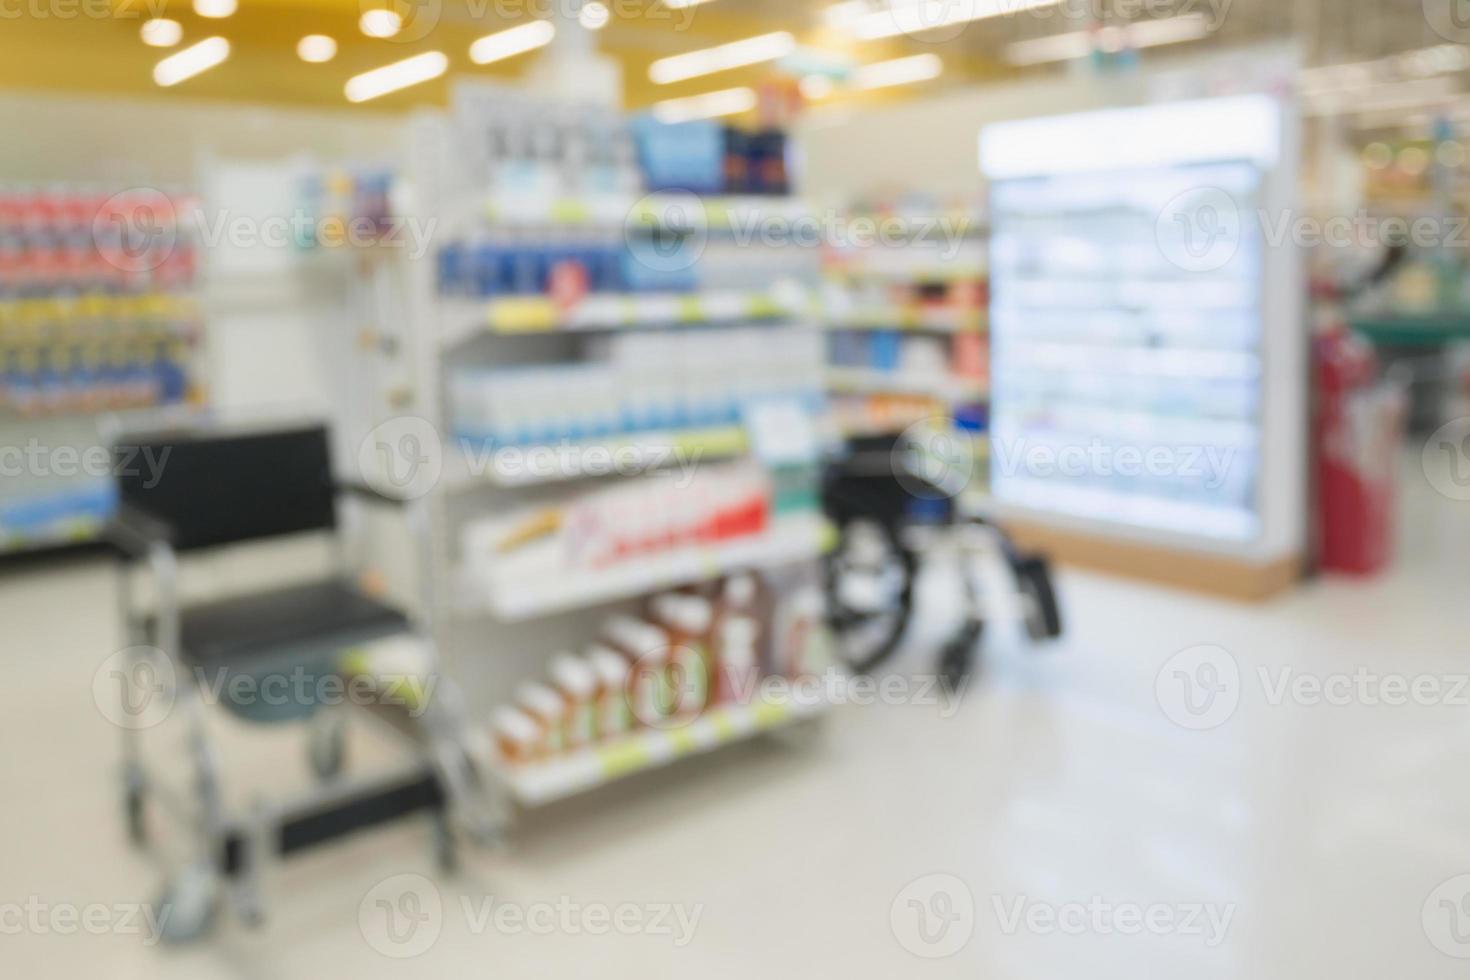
646, 647
740, 637
549, 711
614, 713
688, 620
518, 737
576, 682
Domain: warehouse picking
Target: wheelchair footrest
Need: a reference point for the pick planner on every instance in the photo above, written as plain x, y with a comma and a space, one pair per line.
322, 822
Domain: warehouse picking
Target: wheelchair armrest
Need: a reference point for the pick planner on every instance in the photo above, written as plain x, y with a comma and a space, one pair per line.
135, 533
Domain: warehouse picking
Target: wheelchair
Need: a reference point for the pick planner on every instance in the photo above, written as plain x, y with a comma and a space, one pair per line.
894, 500
220, 488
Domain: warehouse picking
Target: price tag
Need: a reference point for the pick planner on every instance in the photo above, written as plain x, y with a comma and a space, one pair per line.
782, 432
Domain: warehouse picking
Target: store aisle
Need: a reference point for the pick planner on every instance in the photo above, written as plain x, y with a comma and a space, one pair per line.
1294, 840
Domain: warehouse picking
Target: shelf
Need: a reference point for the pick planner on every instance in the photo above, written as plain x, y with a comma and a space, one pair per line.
791, 539
608, 311
616, 212
867, 381
909, 318
538, 784
474, 468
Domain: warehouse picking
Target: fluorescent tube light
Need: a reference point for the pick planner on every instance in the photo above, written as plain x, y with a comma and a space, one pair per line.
918, 16
737, 54
727, 102
1078, 44
191, 61
900, 71
507, 44
399, 75
160, 32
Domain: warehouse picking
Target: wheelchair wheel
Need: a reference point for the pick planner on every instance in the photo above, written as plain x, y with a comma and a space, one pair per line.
870, 590
1043, 616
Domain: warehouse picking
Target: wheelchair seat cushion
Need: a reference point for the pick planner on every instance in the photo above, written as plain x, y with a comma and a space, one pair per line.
304, 620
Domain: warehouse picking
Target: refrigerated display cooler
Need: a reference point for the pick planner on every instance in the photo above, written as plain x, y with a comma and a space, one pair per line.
1149, 393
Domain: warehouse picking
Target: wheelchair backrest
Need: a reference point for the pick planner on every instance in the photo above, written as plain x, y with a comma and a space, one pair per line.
217, 487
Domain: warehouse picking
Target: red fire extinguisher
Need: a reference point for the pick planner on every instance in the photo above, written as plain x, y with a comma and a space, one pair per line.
1357, 428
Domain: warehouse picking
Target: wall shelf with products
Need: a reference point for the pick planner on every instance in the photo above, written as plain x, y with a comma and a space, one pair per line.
98, 316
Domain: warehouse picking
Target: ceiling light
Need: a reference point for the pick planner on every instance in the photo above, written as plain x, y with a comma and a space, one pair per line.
191, 61
160, 32
380, 23
508, 44
680, 4
728, 102
594, 16
815, 87
919, 16
215, 8
737, 54
1079, 44
899, 71
316, 48
399, 75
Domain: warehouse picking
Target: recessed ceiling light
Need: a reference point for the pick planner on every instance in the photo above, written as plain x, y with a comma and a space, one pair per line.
316, 48
215, 8
594, 16
160, 32
380, 23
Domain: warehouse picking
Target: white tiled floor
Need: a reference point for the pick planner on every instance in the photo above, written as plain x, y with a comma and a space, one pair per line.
1320, 830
